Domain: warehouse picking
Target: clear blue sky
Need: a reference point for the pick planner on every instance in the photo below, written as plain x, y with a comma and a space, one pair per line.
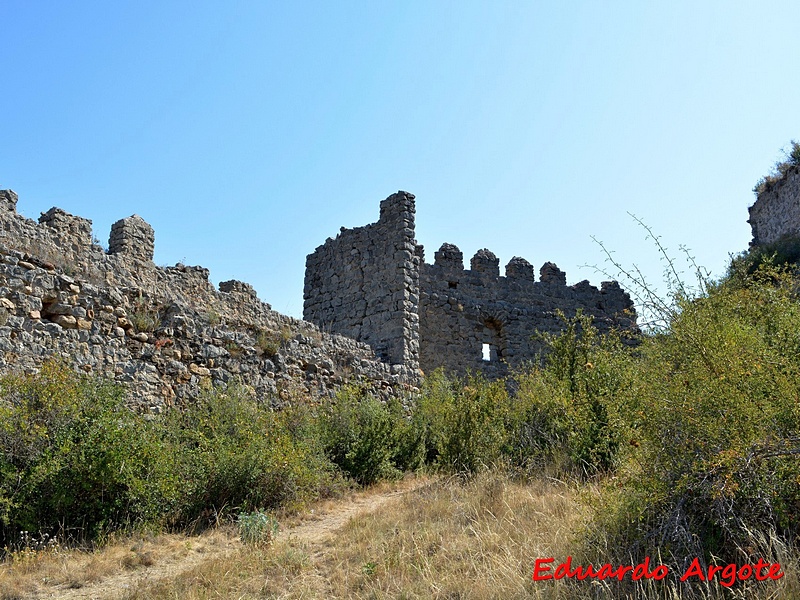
247, 133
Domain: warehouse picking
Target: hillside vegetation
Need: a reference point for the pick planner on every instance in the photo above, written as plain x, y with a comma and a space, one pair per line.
686, 443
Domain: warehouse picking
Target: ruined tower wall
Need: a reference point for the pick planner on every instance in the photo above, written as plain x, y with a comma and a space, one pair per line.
776, 212
461, 310
372, 284
364, 284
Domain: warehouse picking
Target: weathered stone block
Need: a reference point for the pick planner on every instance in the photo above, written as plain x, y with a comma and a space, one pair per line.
65, 321
132, 237
485, 263
519, 268
550, 273
8, 200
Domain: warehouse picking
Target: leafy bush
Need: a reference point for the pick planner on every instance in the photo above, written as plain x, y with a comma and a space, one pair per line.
461, 423
269, 343
785, 251
587, 371
359, 435
713, 417
145, 317
563, 411
75, 461
73, 458
235, 454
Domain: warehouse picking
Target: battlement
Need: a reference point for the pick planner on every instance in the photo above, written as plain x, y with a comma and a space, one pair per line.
8, 200
166, 332
441, 314
519, 268
66, 240
480, 321
485, 264
133, 237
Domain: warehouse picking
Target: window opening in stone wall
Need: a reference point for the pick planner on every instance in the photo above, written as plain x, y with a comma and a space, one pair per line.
491, 349
452, 284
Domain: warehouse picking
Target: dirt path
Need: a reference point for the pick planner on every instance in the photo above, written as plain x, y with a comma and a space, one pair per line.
170, 556
115, 571
319, 526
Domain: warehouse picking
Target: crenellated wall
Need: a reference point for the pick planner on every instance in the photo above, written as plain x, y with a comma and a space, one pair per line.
165, 332
476, 320
462, 320
375, 312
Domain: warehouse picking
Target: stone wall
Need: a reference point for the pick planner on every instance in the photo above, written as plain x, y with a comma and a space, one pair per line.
166, 332
380, 314
480, 321
372, 284
364, 284
776, 212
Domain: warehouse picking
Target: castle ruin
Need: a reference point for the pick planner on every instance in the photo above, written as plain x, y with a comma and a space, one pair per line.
376, 313
776, 212
166, 333
372, 284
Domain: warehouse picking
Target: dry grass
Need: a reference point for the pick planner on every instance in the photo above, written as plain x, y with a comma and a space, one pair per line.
57, 573
446, 539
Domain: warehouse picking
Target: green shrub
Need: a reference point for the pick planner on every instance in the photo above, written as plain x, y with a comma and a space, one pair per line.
213, 316
408, 439
269, 343
74, 461
564, 413
145, 317
73, 458
785, 251
235, 454
539, 425
461, 423
713, 418
359, 435
257, 528
587, 371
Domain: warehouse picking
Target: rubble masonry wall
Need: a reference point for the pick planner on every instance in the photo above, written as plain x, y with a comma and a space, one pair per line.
164, 332
371, 283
